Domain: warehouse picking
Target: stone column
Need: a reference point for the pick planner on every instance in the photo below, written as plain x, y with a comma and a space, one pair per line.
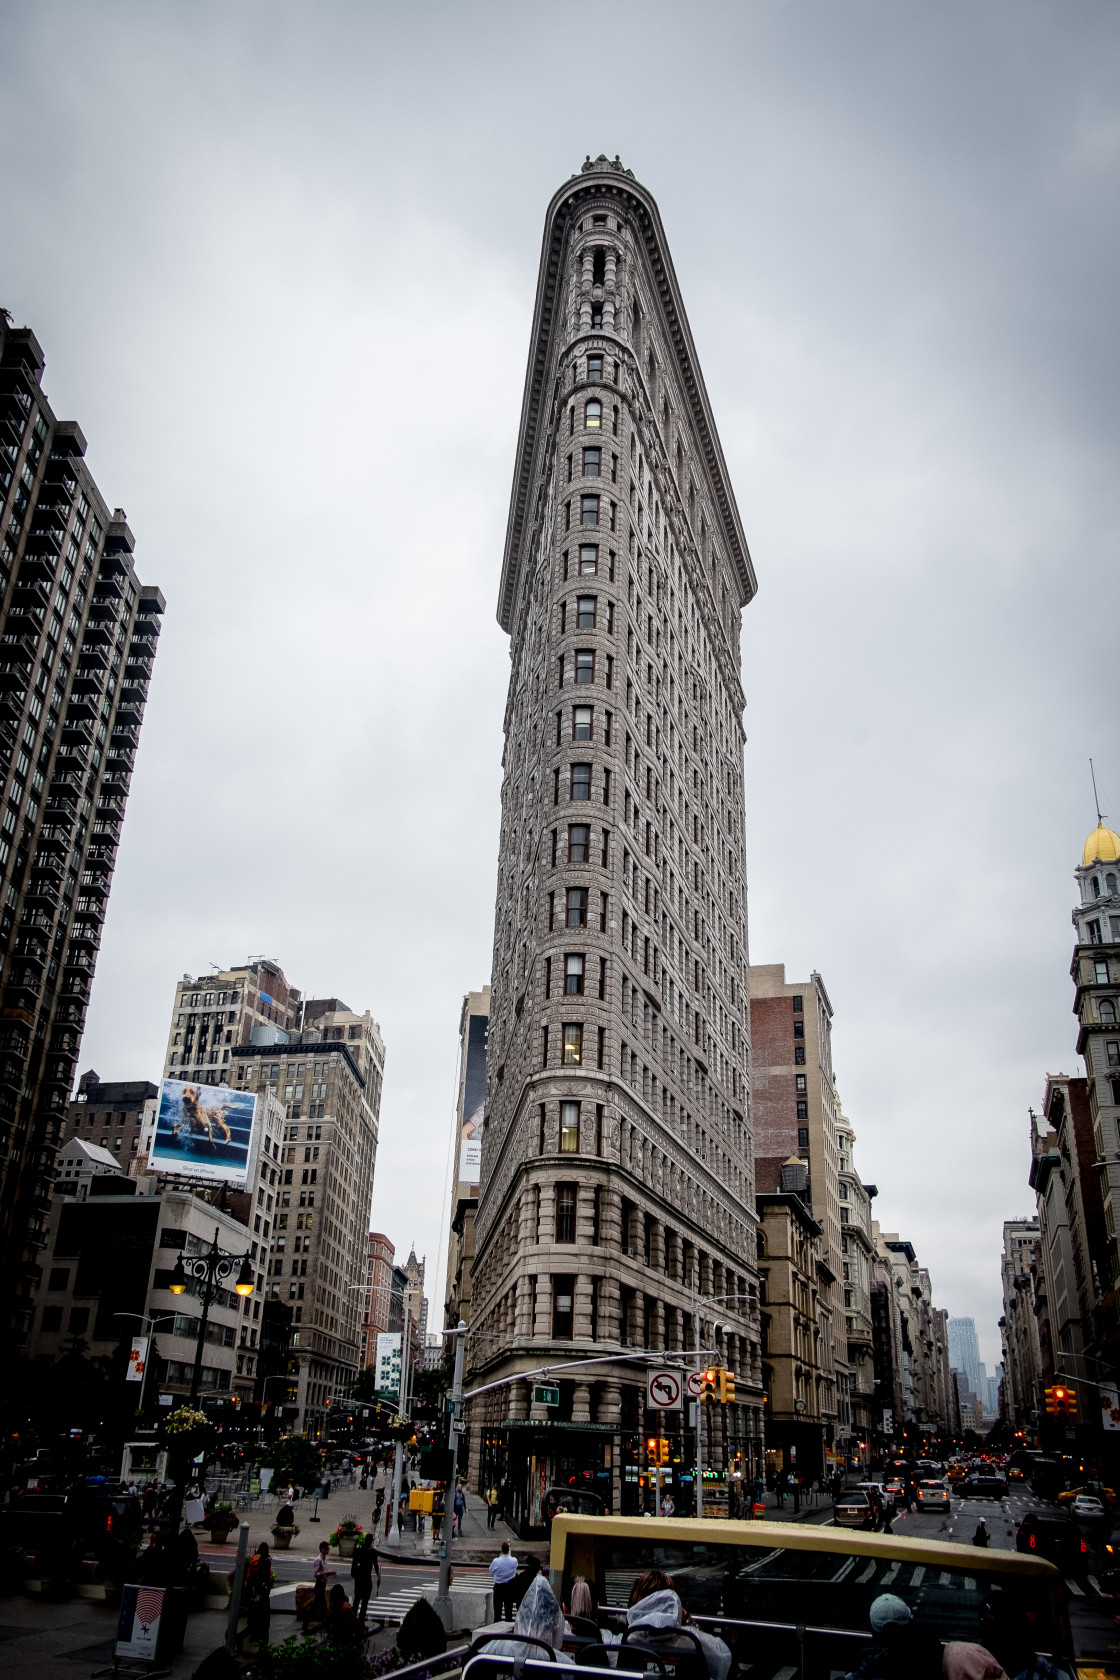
610, 1218
524, 1309
608, 1309
542, 1322
657, 1246
581, 1308
585, 1216
518, 1400
581, 1403
610, 1398
548, 1213
657, 1325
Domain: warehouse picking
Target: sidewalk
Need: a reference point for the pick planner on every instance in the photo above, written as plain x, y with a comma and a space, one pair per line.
478, 1543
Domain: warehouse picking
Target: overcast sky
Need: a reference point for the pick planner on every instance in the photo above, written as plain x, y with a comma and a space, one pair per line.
282, 259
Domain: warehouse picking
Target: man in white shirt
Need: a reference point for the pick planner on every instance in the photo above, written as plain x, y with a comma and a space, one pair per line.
503, 1568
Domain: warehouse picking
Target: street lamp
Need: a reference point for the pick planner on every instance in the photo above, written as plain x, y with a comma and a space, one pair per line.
212, 1270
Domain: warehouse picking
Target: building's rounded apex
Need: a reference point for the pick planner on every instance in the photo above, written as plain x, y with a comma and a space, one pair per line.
1102, 846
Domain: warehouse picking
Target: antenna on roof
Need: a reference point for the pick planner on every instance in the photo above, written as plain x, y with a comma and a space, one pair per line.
1096, 795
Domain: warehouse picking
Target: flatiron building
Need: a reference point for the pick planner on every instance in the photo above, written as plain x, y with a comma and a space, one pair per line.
617, 1193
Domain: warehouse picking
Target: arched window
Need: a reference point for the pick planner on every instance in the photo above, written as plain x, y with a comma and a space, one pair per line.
1096, 882
593, 414
1108, 1010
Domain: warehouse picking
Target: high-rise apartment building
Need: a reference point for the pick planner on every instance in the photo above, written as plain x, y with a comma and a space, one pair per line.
474, 1024
324, 1064
77, 638
617, 1181
797, 1114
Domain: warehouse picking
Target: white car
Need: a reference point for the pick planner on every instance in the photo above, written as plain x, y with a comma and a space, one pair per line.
1087, 1507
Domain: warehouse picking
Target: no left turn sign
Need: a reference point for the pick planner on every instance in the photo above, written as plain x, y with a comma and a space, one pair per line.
695, 1384
663, 1390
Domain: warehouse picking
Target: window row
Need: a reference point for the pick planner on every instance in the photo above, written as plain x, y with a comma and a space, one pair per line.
586, 614
579, 783
586, 562
588, 513
574, 974
580, 667
1094, 930
573, 1052
579, 844
583, 725
591, 465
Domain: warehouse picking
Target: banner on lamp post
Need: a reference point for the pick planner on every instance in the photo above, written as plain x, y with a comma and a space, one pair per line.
388, 1369
137, 1359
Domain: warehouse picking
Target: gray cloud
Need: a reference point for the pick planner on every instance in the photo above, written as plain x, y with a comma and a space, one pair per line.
282, 262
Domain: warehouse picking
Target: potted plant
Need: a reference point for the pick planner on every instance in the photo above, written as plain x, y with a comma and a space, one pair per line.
282, 1535
221, 1520
346, 1537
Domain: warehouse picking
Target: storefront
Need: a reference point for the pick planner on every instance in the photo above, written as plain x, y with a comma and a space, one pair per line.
524, 1458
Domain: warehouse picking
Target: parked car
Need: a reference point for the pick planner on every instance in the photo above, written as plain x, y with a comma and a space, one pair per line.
977, 1486
853, 1510
932, 1495
1054, 1537
1097, 1490
88, 1516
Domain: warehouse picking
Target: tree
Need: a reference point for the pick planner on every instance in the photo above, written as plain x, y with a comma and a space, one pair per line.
297, 1459
428, 1388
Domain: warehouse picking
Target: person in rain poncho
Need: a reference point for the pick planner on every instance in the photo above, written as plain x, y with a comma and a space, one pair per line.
539, 1616
660, 1615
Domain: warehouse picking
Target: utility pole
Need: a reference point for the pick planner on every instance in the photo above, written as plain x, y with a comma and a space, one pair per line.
443, 1596
393, 1538
699, 1417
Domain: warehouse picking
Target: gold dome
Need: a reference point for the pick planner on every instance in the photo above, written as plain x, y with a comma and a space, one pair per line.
1102, 846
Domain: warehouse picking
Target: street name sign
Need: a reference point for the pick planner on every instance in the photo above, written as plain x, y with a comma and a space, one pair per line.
543, 1396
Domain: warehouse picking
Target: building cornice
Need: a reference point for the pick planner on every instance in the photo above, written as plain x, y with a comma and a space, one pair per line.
603, 180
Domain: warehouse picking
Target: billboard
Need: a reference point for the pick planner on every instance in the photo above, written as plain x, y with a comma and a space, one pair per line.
474, 1098
203, 1131
388, 1369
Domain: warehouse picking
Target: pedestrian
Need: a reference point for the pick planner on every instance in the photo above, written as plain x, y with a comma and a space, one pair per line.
780, 1492
289, 1494
460, 1510
321, 1572
257, 1597
362, 1571
343, 1626
981, 1537
503, 1568
668, 1509
493, 1504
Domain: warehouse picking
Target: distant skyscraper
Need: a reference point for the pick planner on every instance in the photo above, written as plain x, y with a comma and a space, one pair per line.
77, 639
474, 1021
964, 1352
616, 1161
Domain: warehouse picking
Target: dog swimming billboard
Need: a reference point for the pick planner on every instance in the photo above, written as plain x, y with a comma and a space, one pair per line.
203, 1131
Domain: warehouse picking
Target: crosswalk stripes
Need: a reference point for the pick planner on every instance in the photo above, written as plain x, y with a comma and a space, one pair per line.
394, 1606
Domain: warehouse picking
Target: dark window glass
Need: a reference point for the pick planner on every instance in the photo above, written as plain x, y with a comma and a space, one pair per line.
566, 1209
562, 1307
798, 1006
588, 560
577, 906
52, 1318
595, 363
799, 1029
579, 842
596, 316
581, 781
585, 665
803, 1111
591, 462
583, 718
799, 1055
573, 975
585, 613
802, 1137
589, 510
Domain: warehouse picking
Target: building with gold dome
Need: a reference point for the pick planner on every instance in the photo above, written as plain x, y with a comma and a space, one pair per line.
1096, 976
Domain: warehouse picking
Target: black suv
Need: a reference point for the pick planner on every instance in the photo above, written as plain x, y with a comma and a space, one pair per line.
1053, 1537
982, 1487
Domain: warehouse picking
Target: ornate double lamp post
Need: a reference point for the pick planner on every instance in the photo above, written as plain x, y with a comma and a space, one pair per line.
212, 1271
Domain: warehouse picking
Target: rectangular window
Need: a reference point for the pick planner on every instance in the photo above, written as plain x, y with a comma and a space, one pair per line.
1112, 1051
540, 1130
581, 781
573, 1044
610, 670
799, 1029
551, 910
585, 665
562, 1288
605, 853
799, 1055
566, 1203
583, 720
579, 842
592, 459
589, 510
548, 977
802, 1083
604, 908
1094, 929
803, 1111
576, 903
1100, 973
573, 974
798, 1006
554, 834
595, 367
569, 1128
1114, 924
602, 980
598, 1150
585, 612
802, 1137
544, 1047
614, 469
588, 560
606, 785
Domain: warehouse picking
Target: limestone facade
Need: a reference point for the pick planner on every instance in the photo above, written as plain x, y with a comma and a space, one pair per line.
617, 1166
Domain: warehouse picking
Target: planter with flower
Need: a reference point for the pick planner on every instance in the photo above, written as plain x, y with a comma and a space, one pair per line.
283, 1535
346, 1537
220, 1519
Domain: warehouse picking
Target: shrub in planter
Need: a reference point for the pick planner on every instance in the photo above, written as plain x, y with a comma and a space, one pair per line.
422, 1633
222, 1517
346, 1536
306, 1659
283, 1534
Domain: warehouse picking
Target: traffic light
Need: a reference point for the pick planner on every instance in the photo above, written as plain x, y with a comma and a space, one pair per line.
1061, 1401
726, 1386
709, 1387
657, 1450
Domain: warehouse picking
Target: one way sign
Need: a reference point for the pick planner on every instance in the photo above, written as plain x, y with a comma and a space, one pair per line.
663, 1390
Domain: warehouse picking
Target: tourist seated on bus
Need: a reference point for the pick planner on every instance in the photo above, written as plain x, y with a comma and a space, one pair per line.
657, 1611
539, 1616
901, 1650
